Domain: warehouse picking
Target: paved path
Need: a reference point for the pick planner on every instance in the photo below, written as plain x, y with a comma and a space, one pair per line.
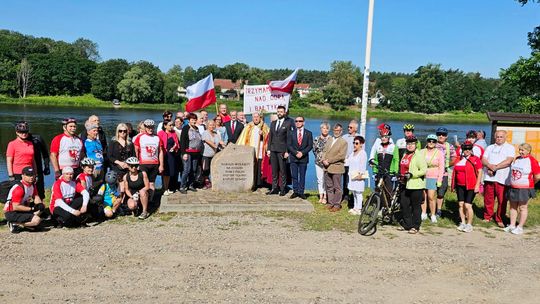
212, 201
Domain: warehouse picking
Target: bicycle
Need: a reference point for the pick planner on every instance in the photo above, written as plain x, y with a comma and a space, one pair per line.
379, 202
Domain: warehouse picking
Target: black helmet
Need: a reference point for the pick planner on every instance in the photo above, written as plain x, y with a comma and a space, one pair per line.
411, 139
111, 177
68, 120
467, 145
22, 127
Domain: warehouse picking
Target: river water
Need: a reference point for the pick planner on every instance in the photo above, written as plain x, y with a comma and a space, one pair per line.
45, 121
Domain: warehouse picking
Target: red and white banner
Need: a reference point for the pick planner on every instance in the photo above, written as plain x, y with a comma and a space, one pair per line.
201, 94
285, 86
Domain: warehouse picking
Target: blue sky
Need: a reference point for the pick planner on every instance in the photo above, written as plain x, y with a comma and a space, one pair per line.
472, 35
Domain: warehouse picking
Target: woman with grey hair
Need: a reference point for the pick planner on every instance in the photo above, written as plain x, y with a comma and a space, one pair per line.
525, 172
318, 146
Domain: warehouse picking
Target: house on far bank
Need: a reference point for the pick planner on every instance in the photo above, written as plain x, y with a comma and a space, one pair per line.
228, 88
303, 89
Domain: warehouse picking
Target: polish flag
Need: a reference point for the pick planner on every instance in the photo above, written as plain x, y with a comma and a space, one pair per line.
286, 85
201, 94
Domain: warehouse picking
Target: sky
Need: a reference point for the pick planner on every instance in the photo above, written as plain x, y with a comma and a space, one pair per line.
471, 35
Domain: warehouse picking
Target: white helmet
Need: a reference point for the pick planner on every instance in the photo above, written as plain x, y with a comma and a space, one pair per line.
149, 123
88, 162
132, 161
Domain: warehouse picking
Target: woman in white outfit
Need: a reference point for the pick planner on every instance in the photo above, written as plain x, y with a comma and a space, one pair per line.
357, 162
318, 146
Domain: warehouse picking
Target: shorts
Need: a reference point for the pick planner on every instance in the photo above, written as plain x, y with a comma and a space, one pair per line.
464, 195
152, 171
19, 217
431, 184
441, 191
521, 194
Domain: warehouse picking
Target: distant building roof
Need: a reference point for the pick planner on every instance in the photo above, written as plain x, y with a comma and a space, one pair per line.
302, 86
513, 117
227, 84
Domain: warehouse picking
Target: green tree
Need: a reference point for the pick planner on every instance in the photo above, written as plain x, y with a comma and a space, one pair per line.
155, 80
314, 97
8, 77
135, 87
524, 75
190, 76
206, 70
234, 72
87, 49
344, 77
106, 77
173, 79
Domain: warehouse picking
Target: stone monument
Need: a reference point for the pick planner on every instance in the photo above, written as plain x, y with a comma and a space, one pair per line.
233, 169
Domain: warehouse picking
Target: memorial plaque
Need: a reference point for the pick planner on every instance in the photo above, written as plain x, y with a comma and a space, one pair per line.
232, 169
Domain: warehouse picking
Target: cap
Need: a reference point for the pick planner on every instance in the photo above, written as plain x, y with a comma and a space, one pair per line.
67, 170
28, 171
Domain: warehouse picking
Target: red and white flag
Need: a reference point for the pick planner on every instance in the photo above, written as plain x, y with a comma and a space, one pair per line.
201, 94
286, 85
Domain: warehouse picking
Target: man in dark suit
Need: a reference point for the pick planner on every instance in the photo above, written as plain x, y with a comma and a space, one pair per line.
300, 142
277, 150
234, 128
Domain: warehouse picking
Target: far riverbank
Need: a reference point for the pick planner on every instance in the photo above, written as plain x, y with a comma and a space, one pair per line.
326, 111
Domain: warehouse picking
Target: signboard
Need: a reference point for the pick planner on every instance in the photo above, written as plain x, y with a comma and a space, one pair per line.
259, 98
517, 135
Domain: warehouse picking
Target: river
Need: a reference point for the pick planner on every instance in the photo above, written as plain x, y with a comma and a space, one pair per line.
46, 121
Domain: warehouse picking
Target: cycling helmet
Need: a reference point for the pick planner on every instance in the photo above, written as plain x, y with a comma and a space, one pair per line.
149, 123
132, 161
408, 127
22, 127
471, 134
432, 137
111, 177
467, 145
442, 130
88, 162
68, 120
384, 129
411, 139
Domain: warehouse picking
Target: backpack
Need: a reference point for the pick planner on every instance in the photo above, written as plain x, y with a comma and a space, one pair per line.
5, 187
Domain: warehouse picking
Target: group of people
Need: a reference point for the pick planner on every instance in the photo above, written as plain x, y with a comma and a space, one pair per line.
96, 178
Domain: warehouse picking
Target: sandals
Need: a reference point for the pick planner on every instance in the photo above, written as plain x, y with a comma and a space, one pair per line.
413, 231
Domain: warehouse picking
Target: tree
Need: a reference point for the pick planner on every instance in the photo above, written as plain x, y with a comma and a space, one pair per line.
135, 87
314, 97
87, 49
24, 77
8, 76
344, 76
534, 39
524, 75
234, 72
155, 80
173, 79
190, 76
106, 77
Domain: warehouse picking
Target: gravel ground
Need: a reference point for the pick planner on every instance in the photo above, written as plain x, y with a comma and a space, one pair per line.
255, 259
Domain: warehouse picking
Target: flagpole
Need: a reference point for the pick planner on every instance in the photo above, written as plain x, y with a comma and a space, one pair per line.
365, 88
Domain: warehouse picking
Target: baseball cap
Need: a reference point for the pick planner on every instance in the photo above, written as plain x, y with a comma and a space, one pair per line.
28, 171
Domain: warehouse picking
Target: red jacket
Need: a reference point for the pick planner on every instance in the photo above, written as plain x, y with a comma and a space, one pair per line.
471, 171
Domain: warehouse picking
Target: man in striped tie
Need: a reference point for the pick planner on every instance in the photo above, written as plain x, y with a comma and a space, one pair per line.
300, 143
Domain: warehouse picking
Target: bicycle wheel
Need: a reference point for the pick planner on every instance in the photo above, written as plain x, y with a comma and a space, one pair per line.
370, 211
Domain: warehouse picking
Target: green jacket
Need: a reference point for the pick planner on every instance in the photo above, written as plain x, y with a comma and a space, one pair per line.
418, 169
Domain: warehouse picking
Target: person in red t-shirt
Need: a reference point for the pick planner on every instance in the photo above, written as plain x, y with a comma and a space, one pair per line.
23, 205
66, 148
525, 171
466, 178
69, 199
20, 152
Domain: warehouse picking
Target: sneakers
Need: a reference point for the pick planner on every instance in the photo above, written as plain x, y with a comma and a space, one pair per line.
355, 211
433, 219
461, 227
183, 190
438, 213
144, 215
14, 228
424, 216
167, 193
509, 228
468, 228
518, 230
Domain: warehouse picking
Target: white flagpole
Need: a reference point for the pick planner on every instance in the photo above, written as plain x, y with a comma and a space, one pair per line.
365, 88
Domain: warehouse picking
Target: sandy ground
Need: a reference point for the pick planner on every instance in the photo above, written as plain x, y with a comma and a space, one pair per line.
256, 259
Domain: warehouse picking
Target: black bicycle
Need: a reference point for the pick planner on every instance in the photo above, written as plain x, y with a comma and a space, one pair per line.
383, 200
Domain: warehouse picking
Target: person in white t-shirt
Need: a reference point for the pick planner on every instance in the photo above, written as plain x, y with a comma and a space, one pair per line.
497, 160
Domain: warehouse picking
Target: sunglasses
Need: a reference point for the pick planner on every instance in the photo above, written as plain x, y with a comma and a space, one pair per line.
299, 121
122, 131
442, 134
431, 141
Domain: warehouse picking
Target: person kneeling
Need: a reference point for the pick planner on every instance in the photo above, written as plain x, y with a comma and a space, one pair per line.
69, 200
23, 205
111, 193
